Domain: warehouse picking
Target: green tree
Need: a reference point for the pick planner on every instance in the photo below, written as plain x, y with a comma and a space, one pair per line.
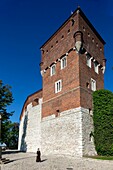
12, 135
103, 121
6, 99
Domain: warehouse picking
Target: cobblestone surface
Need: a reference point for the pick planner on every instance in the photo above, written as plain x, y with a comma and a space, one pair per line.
27, 161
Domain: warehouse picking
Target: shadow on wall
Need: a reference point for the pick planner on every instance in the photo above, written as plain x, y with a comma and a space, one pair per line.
23, 142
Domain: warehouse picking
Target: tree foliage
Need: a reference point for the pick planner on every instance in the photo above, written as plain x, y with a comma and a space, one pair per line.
11, 138
8, 128
103, 121
6, 99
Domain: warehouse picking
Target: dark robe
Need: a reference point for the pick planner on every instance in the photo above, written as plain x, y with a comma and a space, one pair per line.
38, 158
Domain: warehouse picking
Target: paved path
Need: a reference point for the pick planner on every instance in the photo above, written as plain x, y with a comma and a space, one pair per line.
27, 161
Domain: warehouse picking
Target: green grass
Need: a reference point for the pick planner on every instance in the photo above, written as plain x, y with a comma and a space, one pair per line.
101, 157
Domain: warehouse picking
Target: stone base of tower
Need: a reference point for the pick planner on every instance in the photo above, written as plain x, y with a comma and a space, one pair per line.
87, 130
68, 134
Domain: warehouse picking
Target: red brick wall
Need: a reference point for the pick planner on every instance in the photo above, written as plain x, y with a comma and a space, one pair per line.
69, 76
91, 42
56, 50
86, 74
62, 102
96, 49
70, 80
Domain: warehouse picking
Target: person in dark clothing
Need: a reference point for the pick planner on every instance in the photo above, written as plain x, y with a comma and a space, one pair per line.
38, 158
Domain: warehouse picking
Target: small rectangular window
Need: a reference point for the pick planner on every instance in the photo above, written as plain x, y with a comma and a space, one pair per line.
52, 70
88, 61
63, 62
58, 86
93, 85
96, 67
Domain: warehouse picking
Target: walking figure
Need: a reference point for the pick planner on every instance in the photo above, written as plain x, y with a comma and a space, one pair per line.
38, 158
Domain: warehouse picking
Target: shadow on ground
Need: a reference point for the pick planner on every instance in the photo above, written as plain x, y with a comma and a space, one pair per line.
23, 158
11, 152
43, 160
15, 152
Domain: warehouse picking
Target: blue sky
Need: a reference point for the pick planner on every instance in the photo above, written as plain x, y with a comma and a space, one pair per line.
26, 24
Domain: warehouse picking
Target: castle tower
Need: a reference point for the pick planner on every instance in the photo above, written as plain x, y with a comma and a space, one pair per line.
72, 68
58, 118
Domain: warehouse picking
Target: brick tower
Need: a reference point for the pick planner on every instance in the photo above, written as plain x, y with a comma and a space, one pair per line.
72, 68
58, 118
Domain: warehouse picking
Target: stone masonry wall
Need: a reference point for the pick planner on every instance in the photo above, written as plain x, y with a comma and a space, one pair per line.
30, 136
68, 134
62, 134
87, 129
21, 132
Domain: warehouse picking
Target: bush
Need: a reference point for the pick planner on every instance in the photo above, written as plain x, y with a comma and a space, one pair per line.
103, 122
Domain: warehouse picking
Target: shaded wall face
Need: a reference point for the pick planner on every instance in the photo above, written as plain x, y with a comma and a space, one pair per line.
22, 133
95, 48
86, 75
92, 43
87, 130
